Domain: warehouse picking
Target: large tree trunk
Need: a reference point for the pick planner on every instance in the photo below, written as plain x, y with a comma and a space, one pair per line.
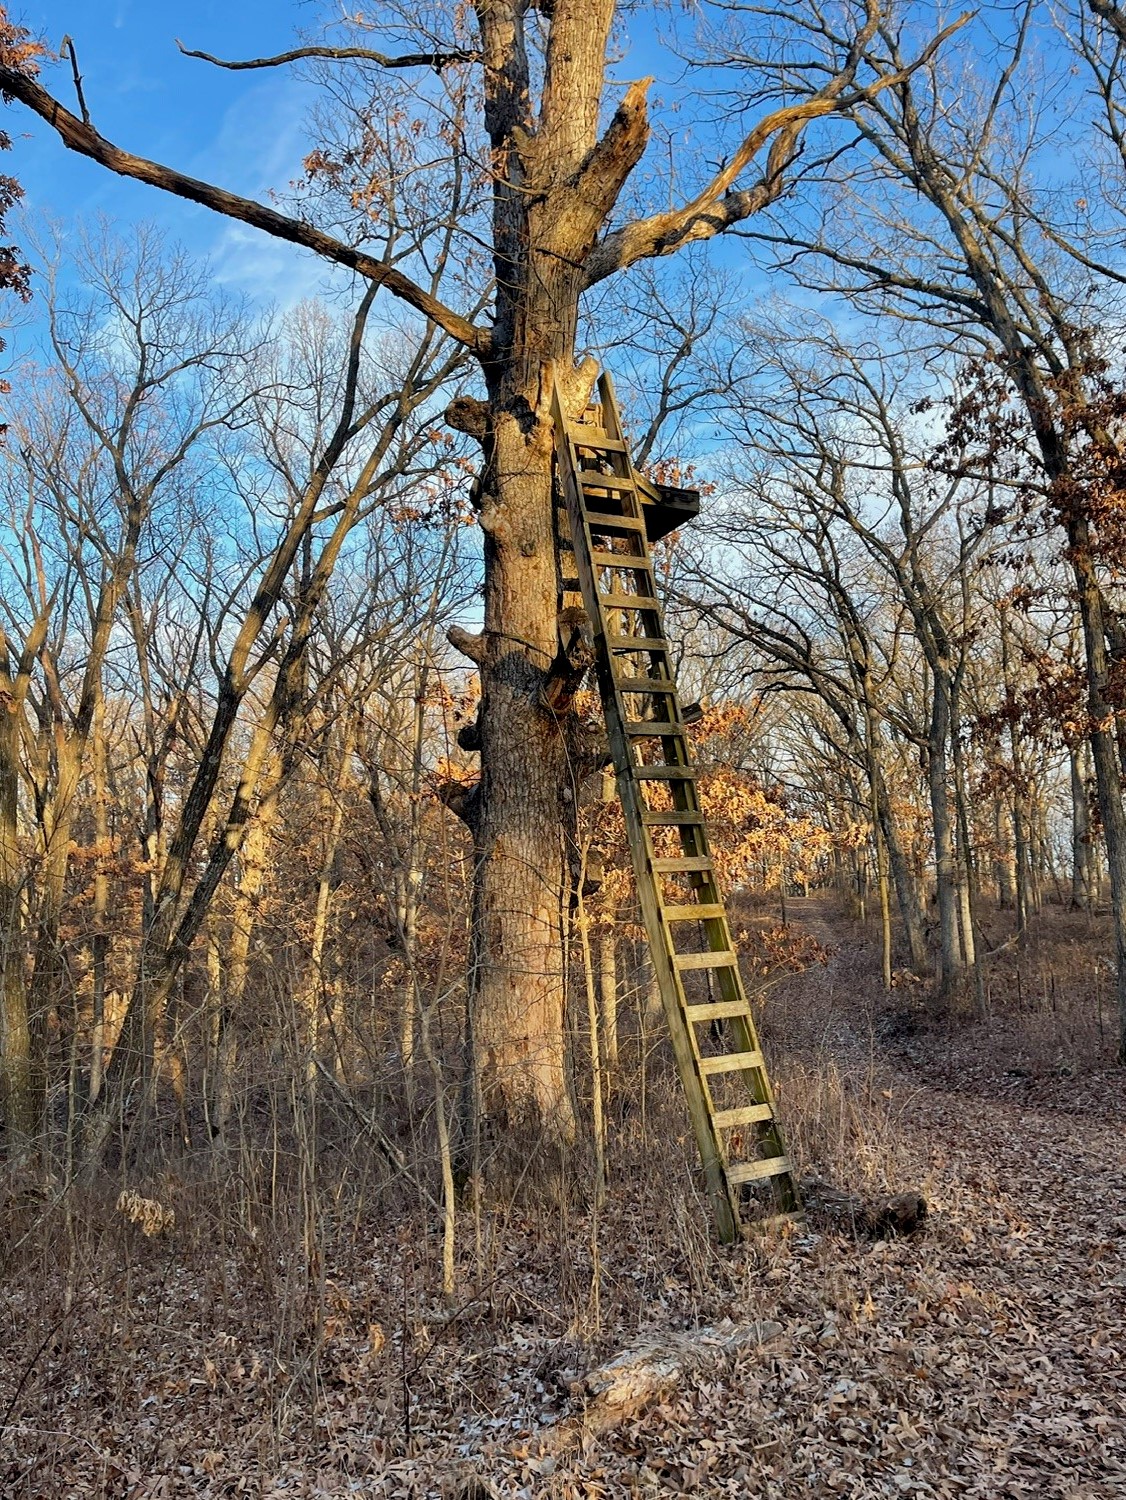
520, 866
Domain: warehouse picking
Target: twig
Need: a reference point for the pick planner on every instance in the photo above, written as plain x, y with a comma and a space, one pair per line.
67, 45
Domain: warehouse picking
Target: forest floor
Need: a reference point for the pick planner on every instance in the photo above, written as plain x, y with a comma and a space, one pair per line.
985, 1357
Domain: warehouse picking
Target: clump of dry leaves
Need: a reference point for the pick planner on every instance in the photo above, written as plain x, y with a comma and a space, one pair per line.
251, 1350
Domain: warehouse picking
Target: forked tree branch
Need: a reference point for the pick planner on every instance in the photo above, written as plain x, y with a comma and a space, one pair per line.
83, 138
719, 206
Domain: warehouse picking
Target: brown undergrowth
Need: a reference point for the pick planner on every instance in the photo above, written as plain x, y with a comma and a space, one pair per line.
280, 1329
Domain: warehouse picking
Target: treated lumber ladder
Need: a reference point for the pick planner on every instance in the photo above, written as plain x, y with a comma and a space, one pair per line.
697, 969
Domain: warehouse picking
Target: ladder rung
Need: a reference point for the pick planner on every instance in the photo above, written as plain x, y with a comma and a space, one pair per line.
640, 729
600, 520
703, 912
645, 684
629, 601
665, 773
591, 479
732, 1062
595, 440
715, 958
755, 1171
636, 643
621, 560
583, 431
683, 865
746, 1114
658, 817
716, 1010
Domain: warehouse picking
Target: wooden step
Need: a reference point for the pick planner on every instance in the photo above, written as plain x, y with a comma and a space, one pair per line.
629, 601
636, 643
682, 865
621, 560
592, 479
710, 912
746, 1114
645, 684
715, 1010
756, 1171
714, 958
600, 520
659, 818
598, 442
641, 729
665, 773
732, 1062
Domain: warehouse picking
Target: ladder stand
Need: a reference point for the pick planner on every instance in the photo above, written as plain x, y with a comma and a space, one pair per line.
697, 970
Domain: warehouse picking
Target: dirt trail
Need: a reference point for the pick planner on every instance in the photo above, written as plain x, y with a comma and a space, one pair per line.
984, 1359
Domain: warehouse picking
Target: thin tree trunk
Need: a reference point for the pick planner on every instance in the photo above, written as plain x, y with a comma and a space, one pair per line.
946, 874
608, 994
1080, 830
906, 886
19, 1092
99, 944
332, 820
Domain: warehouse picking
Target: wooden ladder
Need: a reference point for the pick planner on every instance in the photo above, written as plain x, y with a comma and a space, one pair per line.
697, 970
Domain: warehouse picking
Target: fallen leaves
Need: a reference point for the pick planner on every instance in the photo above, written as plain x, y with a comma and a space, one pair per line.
981, 1360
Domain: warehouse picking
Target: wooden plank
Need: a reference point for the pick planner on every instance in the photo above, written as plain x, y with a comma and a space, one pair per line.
600, 520
621, 560
644, 685
637, 643
600, 485
665, 773
660, 818
699, 913
714, 958
746, 1114
732, 1062
646, 729
715, 1010
682, 865
629, 601
756, 1171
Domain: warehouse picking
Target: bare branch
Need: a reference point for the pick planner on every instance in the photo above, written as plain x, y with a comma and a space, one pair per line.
79, 136
67, 45
435, 60
472, 646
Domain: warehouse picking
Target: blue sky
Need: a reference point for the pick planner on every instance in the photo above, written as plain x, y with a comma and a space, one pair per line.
242, 130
